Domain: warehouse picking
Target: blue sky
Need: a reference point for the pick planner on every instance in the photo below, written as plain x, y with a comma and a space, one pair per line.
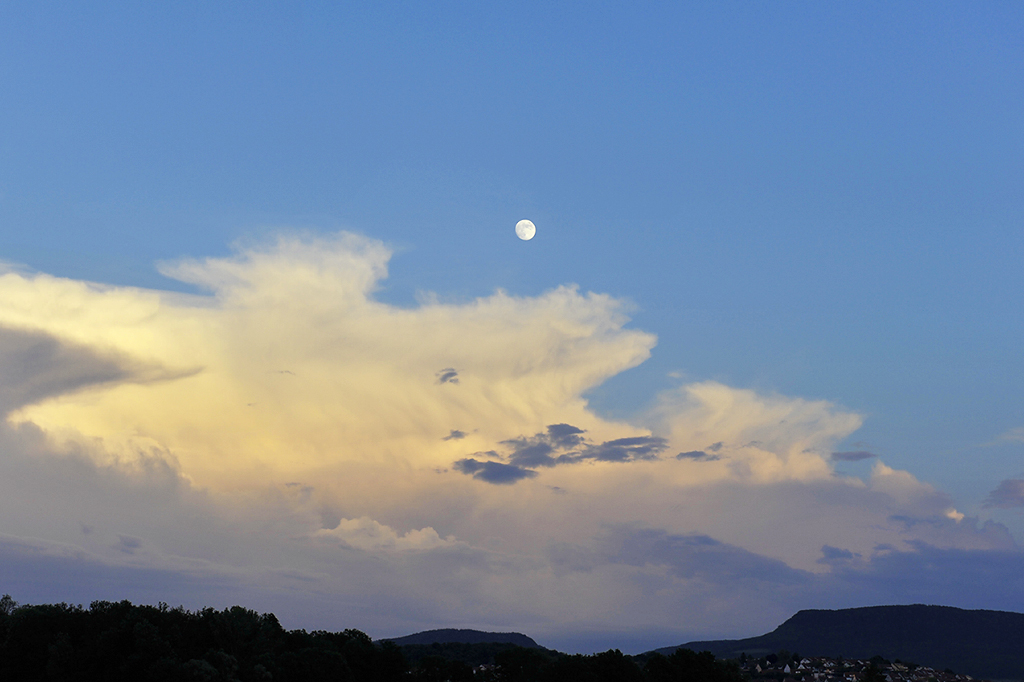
801, 202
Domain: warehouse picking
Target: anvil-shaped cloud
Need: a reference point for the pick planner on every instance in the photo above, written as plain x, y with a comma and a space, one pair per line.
288, 440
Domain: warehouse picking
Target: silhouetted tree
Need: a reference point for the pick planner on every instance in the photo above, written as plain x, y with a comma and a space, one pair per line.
7, 605
519, 664
117, 641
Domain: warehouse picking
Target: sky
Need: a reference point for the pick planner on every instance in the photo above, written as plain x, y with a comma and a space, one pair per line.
267, 335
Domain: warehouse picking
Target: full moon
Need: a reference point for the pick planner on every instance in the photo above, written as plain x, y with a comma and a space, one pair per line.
525, 229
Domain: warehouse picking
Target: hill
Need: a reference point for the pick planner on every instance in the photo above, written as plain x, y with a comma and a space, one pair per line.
451, 636
976, 642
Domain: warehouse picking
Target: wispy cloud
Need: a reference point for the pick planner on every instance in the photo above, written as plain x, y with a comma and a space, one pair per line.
1008, 494
698, 456
1015, 435
852, 456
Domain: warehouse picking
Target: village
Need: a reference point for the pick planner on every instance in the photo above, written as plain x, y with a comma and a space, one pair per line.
821, 669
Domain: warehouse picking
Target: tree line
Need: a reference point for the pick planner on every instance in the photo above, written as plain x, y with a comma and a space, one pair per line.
115, 641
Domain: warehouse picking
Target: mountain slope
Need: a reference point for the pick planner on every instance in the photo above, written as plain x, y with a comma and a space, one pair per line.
979, 643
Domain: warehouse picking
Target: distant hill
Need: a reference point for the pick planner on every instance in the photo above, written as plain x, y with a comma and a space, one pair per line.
450, 636
980, 643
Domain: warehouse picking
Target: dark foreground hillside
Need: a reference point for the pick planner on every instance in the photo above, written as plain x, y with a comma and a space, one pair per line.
988, 644
117, 642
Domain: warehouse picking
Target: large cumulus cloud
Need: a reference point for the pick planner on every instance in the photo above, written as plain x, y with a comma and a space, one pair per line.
284, 439
290, 366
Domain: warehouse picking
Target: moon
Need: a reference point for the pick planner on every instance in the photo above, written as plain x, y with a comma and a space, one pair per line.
525, 229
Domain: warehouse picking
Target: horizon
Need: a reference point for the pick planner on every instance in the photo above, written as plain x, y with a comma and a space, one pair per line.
268, 335
527, 636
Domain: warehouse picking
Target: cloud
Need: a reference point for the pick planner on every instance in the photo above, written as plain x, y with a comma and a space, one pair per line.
698, 556
758, 438
275, 441
853, 456
925, 574
565, 435
363, 382
493, 472
1015, 435
1007, 495
42, 571
369, 535
833, 555
35, 366
698, 456
560, 444
625, 449
447, 375
128, 544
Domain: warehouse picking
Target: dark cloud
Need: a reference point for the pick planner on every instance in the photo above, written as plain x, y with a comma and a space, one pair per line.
448, 375
300, 488
830, 554
698, 456
531, 452
854, 456
715, 447
493, 472
128, 544
455, 435
565, 435
626, 449
565, 444
1008, 494
34, 366
493, 454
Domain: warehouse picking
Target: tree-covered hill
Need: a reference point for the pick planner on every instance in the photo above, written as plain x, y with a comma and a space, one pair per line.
472, 647
473, 655
452, 636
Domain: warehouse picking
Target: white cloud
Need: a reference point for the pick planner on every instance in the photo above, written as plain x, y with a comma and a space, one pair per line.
761, 438
366, 534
